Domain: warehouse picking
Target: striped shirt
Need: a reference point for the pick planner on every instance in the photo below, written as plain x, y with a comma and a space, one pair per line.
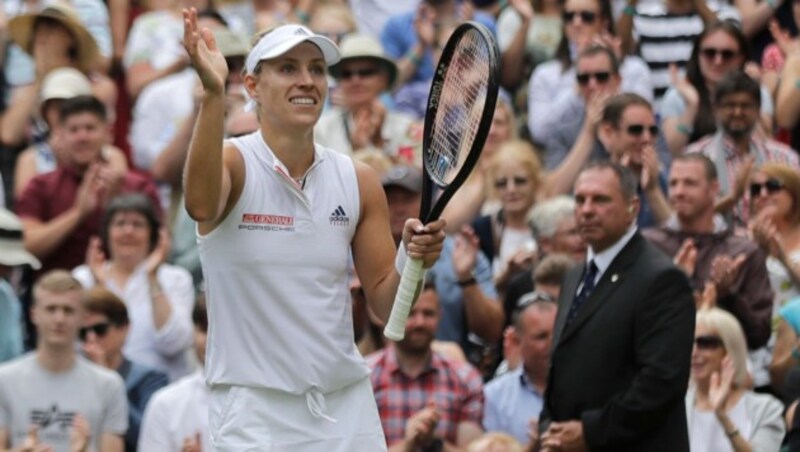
720, 149
456, 387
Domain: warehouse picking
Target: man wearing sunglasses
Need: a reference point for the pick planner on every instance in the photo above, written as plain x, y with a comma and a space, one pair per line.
52, 397
706, 248
738, 145
626, 133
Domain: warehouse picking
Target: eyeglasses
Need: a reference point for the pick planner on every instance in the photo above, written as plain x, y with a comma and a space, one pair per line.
516, 181
711, 53
601, 77
361, 73
743, 106
636, 130
586, 17
533, 298
708, 342
772, 186
99, 330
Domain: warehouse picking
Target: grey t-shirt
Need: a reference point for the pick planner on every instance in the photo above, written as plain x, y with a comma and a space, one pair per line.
30, 394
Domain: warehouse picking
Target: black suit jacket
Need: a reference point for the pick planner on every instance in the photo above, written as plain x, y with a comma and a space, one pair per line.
622, 366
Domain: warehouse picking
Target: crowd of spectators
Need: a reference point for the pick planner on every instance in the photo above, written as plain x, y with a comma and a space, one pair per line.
102, 315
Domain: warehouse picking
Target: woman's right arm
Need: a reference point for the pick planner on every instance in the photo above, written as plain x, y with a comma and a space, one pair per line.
787, 104
207, 177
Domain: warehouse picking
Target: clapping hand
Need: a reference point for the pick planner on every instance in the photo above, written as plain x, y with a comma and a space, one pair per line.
687, 91
725, 270
465, 253
96, 261
192, 444
421, 427
32, 444
80, 434
686, 257
159, 254
720, 386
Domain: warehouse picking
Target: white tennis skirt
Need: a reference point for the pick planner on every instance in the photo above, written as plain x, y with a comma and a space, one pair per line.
265, 420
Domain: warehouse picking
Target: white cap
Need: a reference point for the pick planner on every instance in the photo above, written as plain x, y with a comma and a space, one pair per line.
12, 249
64, 83
286, 37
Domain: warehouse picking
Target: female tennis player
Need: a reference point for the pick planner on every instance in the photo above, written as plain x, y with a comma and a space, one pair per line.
278, 218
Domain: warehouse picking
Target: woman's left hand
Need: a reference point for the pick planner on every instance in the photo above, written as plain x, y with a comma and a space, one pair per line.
159, 254
424, 242
721, 385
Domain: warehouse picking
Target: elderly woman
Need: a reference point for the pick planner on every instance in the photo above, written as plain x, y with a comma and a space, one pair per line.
159, 296
723, 413
364, 122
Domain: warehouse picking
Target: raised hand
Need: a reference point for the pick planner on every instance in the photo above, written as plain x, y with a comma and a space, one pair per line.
204, 54
465, 252
764, 232
721, 384
650, 168
686, 257
80, 434
424, 24
88, 198
159, 255
421, 426
96, 261
523, 7
32, 443
708, 298
743, 176
724, 271
685, 89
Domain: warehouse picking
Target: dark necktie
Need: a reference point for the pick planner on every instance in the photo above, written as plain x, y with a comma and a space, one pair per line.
587, 286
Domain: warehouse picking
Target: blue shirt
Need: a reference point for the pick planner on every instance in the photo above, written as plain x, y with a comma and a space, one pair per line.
453, 323
510, 402
10, 323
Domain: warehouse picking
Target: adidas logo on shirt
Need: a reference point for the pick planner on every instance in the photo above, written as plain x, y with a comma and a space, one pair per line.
339, 217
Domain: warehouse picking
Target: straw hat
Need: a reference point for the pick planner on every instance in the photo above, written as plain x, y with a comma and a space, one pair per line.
357, 46
12, 249
20, 30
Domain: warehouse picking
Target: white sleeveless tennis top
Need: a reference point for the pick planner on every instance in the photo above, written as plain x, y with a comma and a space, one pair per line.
276, 271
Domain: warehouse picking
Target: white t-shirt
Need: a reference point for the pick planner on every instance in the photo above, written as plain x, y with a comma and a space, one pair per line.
30, 394
175, 413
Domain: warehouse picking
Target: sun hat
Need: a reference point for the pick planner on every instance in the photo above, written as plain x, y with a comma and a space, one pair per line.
20, 30
12, 248
286, 37
358, 46
64, 83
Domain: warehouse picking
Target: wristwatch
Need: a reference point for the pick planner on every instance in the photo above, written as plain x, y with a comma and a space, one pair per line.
467, 282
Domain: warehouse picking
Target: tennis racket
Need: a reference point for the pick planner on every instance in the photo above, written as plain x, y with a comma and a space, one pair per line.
460, 109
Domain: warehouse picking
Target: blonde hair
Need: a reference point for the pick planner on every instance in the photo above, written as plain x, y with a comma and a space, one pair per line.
730, 331
55, 282
520, 151
791, 181
495, 441
375, 158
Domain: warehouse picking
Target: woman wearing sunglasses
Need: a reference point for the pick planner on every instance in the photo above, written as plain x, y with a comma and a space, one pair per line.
686, 110
159, 296
723, 414
775, 226
552, 88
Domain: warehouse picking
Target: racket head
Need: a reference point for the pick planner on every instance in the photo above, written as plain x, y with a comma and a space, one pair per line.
459, 113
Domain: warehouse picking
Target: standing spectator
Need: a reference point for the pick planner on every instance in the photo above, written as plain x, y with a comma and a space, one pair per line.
177, 416
552, 84
722, 412
105, 328
514, 400
62, 209
737, 146
424, 399
12, 254
687, 112
709, 252
628, 326
159, 296
53, 397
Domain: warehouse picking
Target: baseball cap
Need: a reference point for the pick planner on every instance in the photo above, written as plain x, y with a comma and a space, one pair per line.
286, 37
403, 176
64, 83
12, 249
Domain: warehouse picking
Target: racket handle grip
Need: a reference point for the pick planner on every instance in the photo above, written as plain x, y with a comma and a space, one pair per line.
412, 275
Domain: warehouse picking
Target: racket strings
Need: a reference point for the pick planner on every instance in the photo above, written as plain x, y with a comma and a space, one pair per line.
461, 105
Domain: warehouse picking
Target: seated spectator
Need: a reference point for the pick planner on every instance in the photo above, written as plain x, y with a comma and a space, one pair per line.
624, 127
722, 412
12, 254
54, 37
424, 399
709, 252
176, 418
52, 398
687, 109
105, 328
472, 316
44, 155
514, 400
552, 85
737, 145
664, 32
62, 209
363, 122
545, 278
159, 296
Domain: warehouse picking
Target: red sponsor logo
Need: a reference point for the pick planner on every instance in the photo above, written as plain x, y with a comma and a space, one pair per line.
255, 218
